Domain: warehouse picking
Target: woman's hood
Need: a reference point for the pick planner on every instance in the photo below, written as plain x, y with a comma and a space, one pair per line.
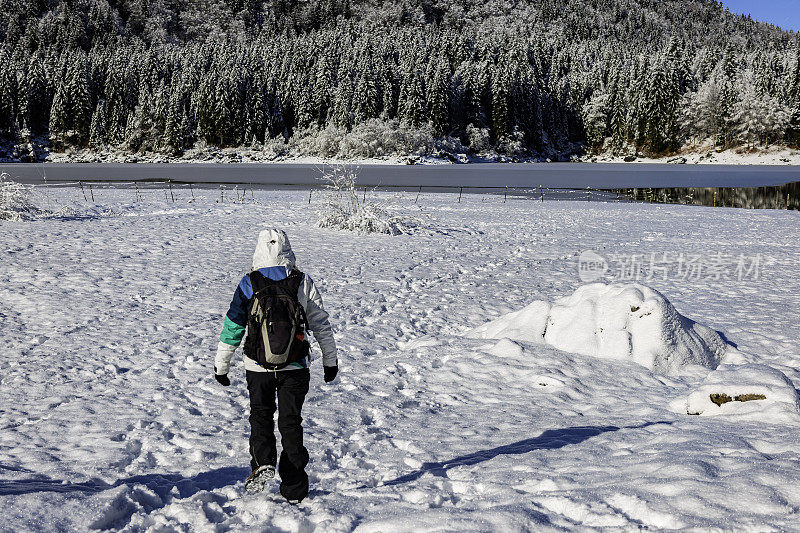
273, 249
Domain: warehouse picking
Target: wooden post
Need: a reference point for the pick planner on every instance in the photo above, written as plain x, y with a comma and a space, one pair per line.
221, 194
191, 189
418, 193
170, 191
364, 201
309, 196
460, 190
91, 192
505, 196
84, 192
252, 194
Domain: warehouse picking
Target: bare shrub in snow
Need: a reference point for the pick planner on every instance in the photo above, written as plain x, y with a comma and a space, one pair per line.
16, 200
345, 209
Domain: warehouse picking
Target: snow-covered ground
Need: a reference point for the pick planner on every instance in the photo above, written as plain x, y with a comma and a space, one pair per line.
704, 153
110, 416
707, 154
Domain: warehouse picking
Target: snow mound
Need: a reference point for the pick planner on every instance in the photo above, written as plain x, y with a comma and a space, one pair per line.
743, 391
614, 321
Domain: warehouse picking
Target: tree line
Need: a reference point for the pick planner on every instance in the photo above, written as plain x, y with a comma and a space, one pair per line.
517, 77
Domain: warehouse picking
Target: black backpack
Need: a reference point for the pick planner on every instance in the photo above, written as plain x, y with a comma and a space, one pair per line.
277, 322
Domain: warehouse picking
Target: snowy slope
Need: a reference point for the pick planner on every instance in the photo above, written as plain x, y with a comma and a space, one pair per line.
109, 416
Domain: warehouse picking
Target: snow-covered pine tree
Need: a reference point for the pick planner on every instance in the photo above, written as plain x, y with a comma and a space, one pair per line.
365, 96
793, 101
438, 97
8, 98
98, 136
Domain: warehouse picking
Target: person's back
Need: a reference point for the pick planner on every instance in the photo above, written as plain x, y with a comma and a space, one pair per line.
262, 295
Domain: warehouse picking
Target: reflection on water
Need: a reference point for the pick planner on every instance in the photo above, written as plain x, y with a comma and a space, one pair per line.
779, 197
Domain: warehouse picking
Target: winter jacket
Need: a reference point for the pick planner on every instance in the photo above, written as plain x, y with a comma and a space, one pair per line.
275, 260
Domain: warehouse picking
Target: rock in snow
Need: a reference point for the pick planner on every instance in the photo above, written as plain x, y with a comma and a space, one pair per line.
614, 321
743, 391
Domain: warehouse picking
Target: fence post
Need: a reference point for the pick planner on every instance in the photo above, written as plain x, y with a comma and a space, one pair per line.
170, 191
84, 192
460, 190
91, 192
418, 193
364, 201
309, 196
505, 196
221, 194
192, 190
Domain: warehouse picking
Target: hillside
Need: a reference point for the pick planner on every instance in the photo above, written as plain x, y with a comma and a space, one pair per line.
341, 78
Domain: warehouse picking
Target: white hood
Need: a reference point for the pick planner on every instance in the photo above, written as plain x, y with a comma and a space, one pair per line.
273, 249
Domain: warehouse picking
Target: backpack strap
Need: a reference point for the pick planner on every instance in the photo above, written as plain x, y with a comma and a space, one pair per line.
296, 283
257, 281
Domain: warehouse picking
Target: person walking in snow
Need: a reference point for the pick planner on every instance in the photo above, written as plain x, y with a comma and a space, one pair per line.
276, 304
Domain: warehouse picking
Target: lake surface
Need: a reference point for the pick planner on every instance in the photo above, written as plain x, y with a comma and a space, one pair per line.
469, 176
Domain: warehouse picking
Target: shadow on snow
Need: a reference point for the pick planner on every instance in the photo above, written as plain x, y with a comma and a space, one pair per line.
161, 484
164, 484
551, 439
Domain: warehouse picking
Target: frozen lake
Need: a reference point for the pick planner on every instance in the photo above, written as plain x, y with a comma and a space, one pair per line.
571, 175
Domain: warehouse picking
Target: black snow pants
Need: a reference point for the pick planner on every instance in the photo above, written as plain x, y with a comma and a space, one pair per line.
291, 387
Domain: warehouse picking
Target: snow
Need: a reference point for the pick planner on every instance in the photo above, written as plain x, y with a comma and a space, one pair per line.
748, 391
110, 416
708, 154
704, 153
616, 321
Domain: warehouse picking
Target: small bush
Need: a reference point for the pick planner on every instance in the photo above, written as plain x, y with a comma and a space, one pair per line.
16, 200
344, 209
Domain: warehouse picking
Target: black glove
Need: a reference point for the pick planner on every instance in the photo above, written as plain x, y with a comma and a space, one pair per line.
330, 373
222, 378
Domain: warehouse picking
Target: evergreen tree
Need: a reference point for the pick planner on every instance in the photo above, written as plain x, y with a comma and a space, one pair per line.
365, 96
98, 137
412, 100
342, 115
595, 118
500, 104
321, 93
35, 107
58, 117
793, 99
173, 128
78, 98
8, 104
437, 99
